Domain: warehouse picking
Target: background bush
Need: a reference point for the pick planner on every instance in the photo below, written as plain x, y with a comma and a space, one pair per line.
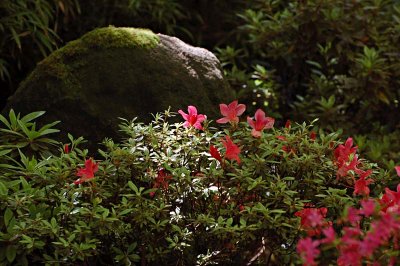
333, 60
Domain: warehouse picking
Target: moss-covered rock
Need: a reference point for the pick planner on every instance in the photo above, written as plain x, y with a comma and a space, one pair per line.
120, 72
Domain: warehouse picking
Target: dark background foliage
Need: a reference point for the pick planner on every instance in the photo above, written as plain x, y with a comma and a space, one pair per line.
333, 60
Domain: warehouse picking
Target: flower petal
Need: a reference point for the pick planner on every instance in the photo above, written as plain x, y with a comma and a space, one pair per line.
397, 168
269, 122
183, 114
224, 109
250, 121
240, 109
201, 118
197, 125
222, 120
260, 115
192, 110
256, 133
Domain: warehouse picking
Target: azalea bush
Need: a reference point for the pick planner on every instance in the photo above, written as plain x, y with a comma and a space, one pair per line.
235, 191
367, 232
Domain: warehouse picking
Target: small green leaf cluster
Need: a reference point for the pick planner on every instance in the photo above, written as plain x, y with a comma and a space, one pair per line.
20, 134
159, 196
29, 30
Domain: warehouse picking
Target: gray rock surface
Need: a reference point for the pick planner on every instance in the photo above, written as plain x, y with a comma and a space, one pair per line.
120, 72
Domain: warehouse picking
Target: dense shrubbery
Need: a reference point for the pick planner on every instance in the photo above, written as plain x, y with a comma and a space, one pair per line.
173, 193
333, 60
186, 195
346, 50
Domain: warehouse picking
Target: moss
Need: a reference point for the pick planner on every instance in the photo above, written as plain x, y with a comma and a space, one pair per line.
112, 37
62, 62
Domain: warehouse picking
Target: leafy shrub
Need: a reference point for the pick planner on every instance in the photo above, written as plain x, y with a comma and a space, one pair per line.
174, 193
29, 32
322, 49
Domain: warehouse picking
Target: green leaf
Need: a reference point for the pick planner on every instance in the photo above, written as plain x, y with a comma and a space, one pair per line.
48, 131
25, 129
126, 211
4, 152
50, 125
16, 38
13, 119
133, 187
12, 132
4, 121
8, 215
3, 189
31, 116
11, 253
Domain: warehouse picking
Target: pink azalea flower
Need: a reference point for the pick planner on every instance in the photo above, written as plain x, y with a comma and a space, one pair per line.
329, 233
308, 250
353, 215
232, 150
260, 123
231, 112
87, 172
192, 118
397, 168
367, 207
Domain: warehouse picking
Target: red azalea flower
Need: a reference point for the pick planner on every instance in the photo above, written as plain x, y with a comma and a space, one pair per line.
343, 152
313, 135
283, 138
260, 123
343, 155
232, 150
87, 172
161, 181
288, 124
215, 153
231, 112
192, 118
66, 148
361, 185
312, 220
390, 200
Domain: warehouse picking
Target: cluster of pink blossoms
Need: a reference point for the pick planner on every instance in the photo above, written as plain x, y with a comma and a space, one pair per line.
230, 113
356, 246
